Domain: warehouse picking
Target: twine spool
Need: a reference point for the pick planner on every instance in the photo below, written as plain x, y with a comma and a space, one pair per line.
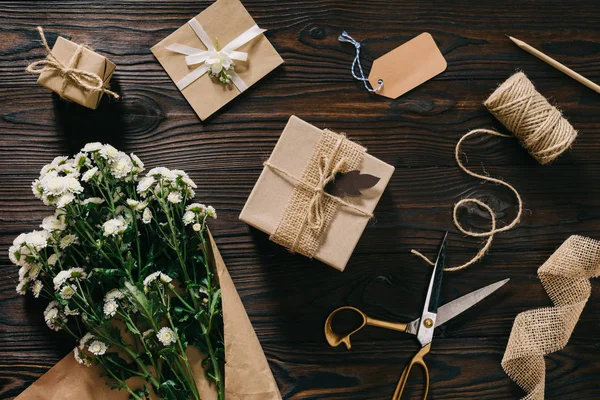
538, 125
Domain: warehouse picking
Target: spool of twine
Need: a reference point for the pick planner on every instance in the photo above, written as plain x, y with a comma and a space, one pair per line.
539, 126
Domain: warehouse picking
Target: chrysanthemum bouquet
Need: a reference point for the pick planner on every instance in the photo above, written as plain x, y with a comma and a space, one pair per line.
124, 262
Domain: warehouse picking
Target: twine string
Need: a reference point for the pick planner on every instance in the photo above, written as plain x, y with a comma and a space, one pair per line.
493, 228
344, 37
85, 80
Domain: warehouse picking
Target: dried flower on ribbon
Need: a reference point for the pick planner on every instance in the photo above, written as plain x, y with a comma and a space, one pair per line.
216, 56
316, 193
74, 71
133, 274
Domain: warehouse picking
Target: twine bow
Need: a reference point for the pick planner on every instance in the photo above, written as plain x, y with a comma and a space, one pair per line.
85, 80
314, 217
211, 55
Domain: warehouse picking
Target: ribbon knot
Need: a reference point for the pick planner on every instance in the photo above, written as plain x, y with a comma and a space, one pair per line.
213, 58
315, 218
83, 79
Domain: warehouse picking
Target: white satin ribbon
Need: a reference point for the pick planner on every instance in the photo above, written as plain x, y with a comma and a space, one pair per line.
197, 56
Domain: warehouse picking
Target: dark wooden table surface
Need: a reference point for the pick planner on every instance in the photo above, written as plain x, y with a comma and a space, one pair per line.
288, 297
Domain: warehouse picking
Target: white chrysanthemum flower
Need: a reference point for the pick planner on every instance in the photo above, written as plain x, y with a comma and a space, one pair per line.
81, 160
113, 294
147, 216
197, 227
54, 319
197, 208
85, 339
189, 217
68, 291
174, 197
95, 200
110, 308
12, 254
54, 223
211, 212
19, 240
139, 165
89, 174
166, 336
145, 184
108, 152
68, 240
37, 189
132, 203
54, 184
164, 278
73, 185
77, 353
22, 287
121, 166
147, 332
114, 227
69, 274
37, 239
36, 288
24, 271
65, 200
97, 347
90, 147
34, 272
53, 259
161, 172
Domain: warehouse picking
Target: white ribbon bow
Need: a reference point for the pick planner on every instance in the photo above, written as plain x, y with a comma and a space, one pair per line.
206, 57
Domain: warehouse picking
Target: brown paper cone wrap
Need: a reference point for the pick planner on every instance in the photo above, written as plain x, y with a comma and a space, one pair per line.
223, 20
89, 61
274, 192
247, 372
535, 333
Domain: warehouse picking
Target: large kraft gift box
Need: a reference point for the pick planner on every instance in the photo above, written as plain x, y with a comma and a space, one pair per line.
247, 372
89, 61
275, 195
223, 22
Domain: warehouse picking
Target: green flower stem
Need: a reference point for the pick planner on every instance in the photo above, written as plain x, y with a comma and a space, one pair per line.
122, 384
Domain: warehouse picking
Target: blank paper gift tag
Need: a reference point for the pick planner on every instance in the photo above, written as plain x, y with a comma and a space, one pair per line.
407, 66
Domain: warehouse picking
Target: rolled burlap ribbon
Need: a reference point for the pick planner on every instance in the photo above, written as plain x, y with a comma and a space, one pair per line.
310, 209
535, 333
71, 75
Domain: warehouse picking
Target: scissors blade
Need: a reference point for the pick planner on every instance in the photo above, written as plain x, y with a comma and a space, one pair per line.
460, 305
429, 315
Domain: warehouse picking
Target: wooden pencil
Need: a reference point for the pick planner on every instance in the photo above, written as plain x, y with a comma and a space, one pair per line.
551, 61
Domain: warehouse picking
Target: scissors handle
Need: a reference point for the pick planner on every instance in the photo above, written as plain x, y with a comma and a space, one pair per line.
418, 360
335, 339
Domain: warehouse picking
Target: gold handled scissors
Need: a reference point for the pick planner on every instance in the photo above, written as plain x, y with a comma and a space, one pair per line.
422, 327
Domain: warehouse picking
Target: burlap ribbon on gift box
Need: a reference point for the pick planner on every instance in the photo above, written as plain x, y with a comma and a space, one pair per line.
535, 333
310, 209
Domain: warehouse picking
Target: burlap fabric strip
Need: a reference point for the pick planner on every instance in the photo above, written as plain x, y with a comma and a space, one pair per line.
535, 333
85, 80
311, 209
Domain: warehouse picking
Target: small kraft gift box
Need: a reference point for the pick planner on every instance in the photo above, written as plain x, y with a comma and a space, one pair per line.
74, 71
316, 193
216, 56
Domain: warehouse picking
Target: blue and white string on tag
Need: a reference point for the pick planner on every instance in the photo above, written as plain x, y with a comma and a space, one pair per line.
344, 37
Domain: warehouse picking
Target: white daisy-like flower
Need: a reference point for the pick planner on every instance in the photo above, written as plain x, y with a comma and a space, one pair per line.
54, 223
90, 147
34, 271
54, 184
108, 152
145, 184
110, 308
52, 259
94, 200
211, 212
36, 288
189, 217
68, 240
164, 278
197, 227
81, 160
23, 271
37, 239
12, 254
163, 172
69, 274
68, 291
65, 200
73, 185
22, 287
197, 208
77, 353
85, 339
139, 165
89, 174
114, 227
217, 61
37, 189
166, 336
147, 216
97, 347
113, 294
132, 203
121, 166
174, 197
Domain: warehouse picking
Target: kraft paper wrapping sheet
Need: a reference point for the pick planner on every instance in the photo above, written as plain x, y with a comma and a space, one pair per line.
89, 61
272, 191
224, 20
247, 372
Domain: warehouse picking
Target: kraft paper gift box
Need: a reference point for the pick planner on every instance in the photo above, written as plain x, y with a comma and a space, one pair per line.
89, 61
247, 372
219, 25
274, 196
